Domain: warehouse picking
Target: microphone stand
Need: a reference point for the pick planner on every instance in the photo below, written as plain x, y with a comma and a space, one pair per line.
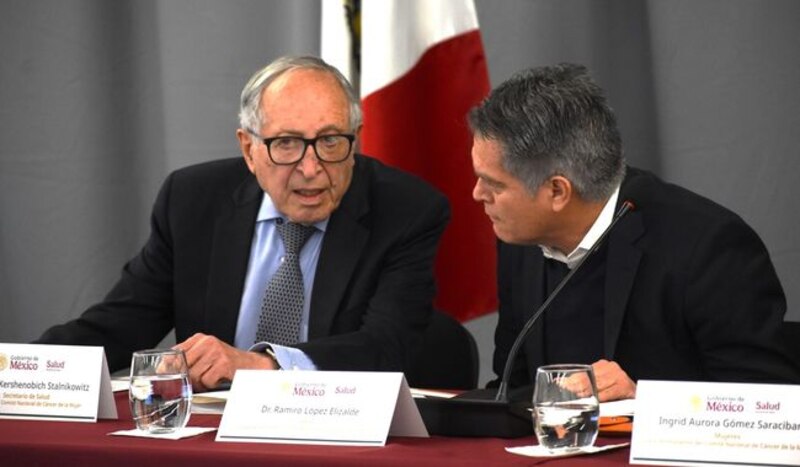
472, 414
502, 390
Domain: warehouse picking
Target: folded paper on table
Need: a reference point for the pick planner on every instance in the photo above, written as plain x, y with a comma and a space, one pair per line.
538, 450
693, 423
185, 432
319, 407
55, 382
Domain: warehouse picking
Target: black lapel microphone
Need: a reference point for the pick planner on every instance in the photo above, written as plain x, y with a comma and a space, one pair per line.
490, 413
502, 390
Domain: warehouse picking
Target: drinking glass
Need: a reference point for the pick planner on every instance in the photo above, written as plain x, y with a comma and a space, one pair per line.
566, 409
160, 393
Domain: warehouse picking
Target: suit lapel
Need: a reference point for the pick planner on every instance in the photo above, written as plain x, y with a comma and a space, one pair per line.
230, 253
622, 263
345, 239
532, 276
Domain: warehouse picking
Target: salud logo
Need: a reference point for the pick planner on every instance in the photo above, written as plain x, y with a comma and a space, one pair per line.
3, 361
768, 407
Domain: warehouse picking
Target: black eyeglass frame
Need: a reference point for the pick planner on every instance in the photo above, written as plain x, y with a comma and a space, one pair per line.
306, 143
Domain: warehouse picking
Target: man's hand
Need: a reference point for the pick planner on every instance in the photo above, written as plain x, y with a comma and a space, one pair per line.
612, 381
213, 362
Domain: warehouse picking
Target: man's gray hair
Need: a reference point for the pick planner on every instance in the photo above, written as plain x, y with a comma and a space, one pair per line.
250, 117
554, 121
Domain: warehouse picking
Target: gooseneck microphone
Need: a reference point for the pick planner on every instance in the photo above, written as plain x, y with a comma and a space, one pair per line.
502, 390
490, 413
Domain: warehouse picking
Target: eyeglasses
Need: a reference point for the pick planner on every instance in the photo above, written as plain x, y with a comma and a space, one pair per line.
288, 150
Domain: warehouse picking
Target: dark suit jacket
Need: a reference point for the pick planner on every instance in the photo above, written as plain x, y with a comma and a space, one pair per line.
690, 294
372, 293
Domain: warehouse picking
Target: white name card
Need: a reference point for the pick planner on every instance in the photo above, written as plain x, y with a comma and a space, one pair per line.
55, 382
686, 423
319, 407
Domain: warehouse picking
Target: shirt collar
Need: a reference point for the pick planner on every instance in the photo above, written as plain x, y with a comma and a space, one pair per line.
268, 212
595, 231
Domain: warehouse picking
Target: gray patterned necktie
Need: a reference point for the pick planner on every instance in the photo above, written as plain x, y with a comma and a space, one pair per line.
283, 302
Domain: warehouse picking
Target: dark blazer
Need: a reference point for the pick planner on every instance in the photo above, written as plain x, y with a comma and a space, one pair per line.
372, 293
690, 294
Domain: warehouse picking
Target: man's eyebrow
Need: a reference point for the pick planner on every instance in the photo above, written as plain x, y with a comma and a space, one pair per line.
491, 181
325, 129
329, 128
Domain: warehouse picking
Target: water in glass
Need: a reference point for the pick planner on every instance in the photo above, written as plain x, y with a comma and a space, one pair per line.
161, 403
566, 408
160, 393
565, 425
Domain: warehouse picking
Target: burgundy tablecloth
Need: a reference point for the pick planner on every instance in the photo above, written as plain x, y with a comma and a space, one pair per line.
33, 443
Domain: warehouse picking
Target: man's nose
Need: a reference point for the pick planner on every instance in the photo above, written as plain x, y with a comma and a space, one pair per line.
478, 193
309, 165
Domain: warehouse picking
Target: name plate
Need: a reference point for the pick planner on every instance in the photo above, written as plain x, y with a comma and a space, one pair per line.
686, 423
55, 382
319, 407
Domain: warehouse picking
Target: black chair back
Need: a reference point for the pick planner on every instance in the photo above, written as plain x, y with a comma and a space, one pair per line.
790, 338
448, 357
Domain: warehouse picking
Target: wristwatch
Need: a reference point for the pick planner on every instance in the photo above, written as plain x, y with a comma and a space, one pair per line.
271, 354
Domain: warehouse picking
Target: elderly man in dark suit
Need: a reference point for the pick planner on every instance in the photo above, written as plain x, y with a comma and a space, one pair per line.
361, 275
682, 288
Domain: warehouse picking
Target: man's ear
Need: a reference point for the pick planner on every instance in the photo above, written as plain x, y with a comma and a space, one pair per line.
246, 146
560, 191
357, 144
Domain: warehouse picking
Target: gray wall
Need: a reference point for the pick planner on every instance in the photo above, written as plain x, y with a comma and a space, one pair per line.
100, 99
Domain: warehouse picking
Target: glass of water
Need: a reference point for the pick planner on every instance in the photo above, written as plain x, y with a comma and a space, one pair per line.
566, 408
160, 393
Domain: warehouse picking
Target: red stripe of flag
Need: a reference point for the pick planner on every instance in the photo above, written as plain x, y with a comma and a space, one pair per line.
418, 123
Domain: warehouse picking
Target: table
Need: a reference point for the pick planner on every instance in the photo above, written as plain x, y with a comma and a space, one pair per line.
35, 443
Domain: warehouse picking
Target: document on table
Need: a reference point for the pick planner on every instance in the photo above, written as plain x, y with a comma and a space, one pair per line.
621, 408
212, 402
120, 383
422, 393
